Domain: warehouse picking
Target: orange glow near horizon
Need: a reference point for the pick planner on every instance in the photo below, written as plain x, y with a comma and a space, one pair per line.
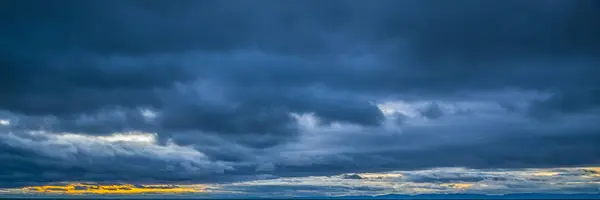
81, 188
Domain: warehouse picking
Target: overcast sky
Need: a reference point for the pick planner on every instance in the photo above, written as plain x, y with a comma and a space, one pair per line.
226, 92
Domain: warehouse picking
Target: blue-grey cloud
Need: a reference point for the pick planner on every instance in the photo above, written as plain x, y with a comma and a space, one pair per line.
228, 80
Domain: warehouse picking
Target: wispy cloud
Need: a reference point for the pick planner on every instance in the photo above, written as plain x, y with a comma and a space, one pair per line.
438, 180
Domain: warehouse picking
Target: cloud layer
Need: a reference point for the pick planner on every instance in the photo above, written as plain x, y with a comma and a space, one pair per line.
222, 91
436, 181
442, 181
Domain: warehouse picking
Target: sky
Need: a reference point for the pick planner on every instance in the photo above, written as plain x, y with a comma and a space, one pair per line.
302, 98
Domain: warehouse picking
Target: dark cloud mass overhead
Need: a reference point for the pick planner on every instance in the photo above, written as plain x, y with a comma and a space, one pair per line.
222, 91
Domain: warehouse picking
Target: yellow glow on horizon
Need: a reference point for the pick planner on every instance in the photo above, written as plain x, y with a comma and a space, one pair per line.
546, 173
461, 186
80, 188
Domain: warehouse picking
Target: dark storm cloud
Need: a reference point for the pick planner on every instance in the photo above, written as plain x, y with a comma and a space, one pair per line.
146, 27
92, 67
524, 151
87, 66
448, 35
73, 84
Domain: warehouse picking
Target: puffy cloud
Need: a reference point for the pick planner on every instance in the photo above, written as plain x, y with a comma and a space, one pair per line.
41, 157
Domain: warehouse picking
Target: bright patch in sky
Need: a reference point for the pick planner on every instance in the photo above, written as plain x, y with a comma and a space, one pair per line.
130, 137
148, 114
119, 189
